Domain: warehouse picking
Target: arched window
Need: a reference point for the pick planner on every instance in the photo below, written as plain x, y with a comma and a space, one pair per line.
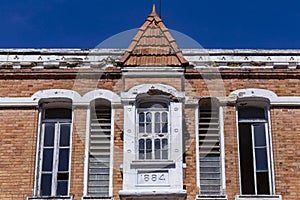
255, 147
209, 147
54, 147
153, 130
100, 149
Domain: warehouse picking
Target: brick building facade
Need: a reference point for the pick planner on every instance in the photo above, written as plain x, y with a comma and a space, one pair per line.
149, 122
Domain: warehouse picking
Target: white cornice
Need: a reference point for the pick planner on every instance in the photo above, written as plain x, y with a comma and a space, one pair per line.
90, 58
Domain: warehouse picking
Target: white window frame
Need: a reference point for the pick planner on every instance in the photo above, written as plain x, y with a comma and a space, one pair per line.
87, 147
115, 102
133, 168
152, 134
222, 153
55, 103
260, 103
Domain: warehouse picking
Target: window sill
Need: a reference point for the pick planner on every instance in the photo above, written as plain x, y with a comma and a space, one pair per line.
166, 194
153, 164
211, 197
258, 197
51, 198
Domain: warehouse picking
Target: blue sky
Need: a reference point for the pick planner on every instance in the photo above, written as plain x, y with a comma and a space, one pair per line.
263, 24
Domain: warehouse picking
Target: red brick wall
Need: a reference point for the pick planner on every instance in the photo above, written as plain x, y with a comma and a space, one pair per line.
78, 151
231, 153
17, 151
285, 132
286, 147
118, 153
19, 130
190, 181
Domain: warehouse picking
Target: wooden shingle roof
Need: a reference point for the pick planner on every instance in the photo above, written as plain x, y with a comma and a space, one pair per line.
153, 45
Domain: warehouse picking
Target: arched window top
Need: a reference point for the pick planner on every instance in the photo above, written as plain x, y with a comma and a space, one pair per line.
212, 103
252, 108
56, 93
47, 103
101, 102
254, 92
101, 94
56, 108
153, 105
153, 90
251, 112
253, 101
155, 102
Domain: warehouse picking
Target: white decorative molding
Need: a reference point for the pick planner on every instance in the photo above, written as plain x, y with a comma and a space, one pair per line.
77, 100
132, 94
145, 88
102, 94
90, 58
273, 98
56, 93
18, 102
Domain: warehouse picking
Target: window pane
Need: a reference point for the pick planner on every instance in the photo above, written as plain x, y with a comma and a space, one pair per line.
64, 135
141, 128
249, 112
157, 117
58, 113
261, 159
46, 184
47, 160
148, 128
164, 149
141, 117
157, 122
148, 149
259, 134
164, 117
262, 183
157, 148
62, 176
157, 128
141, 149
62, 188
148, 117
165, 128
246, 158
63, 164
49, 135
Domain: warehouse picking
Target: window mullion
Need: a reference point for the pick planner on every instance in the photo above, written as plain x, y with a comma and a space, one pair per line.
169, 131
41, 159
55, 160
254, 158
153, 133
268, 158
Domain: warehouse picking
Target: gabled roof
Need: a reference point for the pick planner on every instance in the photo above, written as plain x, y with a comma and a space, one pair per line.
153, 45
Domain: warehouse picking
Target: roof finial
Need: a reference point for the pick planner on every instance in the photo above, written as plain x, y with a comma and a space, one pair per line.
153, 10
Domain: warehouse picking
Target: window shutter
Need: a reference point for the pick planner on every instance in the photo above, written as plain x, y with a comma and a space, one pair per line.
209, 150
99, 155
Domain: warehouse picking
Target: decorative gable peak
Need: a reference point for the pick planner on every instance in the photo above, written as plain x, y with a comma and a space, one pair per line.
153, 45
